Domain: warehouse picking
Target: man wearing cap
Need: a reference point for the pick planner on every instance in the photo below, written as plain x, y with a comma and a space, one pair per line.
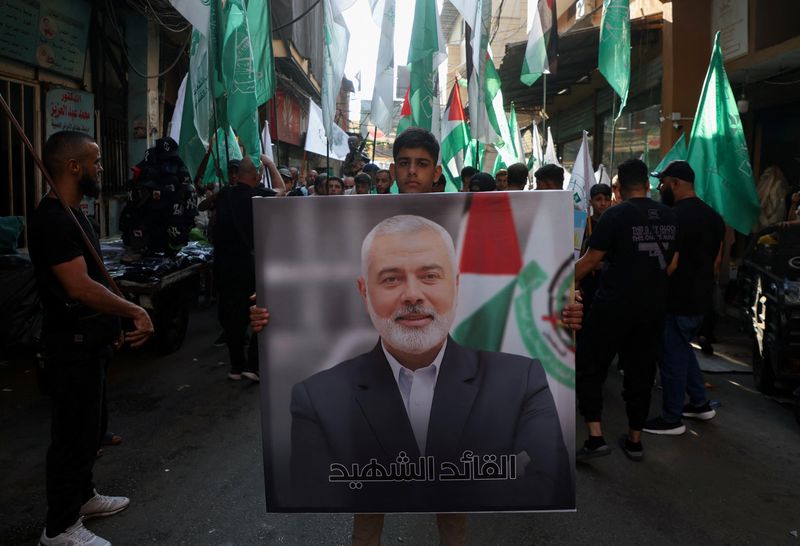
501, 179
690, 290
549, 177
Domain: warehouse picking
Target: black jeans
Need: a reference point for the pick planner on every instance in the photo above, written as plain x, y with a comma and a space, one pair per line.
77, 384
636, 341
234, 314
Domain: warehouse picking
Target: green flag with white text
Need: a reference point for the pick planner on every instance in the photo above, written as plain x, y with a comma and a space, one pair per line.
615, 48
718, 151
259, 24
424, 56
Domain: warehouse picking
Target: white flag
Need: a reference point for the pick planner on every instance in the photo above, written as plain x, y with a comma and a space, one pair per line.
383, 12
537, 158
601, 175
551, 157
582, 178
334, 55
316, 141
550, 150
177, 114
197, 12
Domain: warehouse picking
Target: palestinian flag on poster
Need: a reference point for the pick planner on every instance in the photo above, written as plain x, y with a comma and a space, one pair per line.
516, 274
455, 140
405, 115
489, 266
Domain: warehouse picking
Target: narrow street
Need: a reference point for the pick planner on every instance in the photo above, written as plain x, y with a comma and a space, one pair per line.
191, 464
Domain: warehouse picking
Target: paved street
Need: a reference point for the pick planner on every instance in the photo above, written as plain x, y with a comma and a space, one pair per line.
191, 463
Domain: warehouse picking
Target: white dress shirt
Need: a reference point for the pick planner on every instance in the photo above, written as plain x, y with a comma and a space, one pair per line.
416, 388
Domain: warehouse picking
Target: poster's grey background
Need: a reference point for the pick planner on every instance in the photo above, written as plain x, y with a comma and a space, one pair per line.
308, 257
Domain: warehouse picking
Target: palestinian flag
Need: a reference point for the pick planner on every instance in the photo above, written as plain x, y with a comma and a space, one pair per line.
489, 261
405, 115
455, 140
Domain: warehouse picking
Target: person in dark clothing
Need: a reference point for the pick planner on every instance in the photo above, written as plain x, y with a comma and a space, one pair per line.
549, 177
517, 176
234, 265
600, 200
637, 241
690, 298
81, 327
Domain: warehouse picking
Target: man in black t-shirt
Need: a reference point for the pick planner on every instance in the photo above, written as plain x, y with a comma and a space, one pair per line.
690, 289
234, 265
80, 329
636, 240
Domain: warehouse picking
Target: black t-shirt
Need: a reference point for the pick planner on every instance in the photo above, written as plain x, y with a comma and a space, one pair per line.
702, 231
639, 237
53, 238
233, 232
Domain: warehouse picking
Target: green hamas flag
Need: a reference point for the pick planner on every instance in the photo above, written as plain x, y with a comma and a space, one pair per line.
259, 24
615, 48
677, 152
238, 76
424, 56
718, 151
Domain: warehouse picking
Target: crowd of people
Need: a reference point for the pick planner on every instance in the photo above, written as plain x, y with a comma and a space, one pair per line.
646, 274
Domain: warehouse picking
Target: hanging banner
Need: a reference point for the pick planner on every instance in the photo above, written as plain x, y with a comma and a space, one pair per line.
49, 34
347, 425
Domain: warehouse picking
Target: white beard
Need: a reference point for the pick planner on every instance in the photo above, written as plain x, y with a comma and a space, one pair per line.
409, 339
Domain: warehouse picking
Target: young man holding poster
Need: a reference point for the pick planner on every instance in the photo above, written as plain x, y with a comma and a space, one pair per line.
415, 170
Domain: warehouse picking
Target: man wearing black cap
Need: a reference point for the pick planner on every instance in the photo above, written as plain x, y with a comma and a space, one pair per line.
690, 289
637, 240
549, 177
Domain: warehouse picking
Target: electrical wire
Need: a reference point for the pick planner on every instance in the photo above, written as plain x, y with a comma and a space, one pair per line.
293, 21
160, 22
794, 82
114, 23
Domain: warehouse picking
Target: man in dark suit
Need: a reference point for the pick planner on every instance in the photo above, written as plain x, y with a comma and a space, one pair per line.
419, 398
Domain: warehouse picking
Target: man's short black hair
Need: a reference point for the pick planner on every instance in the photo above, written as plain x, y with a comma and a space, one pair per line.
600, 189
61, 147
517, 174
321, 181
416, 137
550, 172
379, 171
482, 182
633, 173
363, 178
468, 171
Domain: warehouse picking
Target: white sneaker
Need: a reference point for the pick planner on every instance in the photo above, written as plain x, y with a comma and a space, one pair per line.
252, 376
77, 535
101, 505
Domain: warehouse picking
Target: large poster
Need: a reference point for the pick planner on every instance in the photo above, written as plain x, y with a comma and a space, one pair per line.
415, 360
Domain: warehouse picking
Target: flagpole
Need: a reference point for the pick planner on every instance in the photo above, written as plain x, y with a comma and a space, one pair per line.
327, 156
613, 125
374, 143
544, 104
